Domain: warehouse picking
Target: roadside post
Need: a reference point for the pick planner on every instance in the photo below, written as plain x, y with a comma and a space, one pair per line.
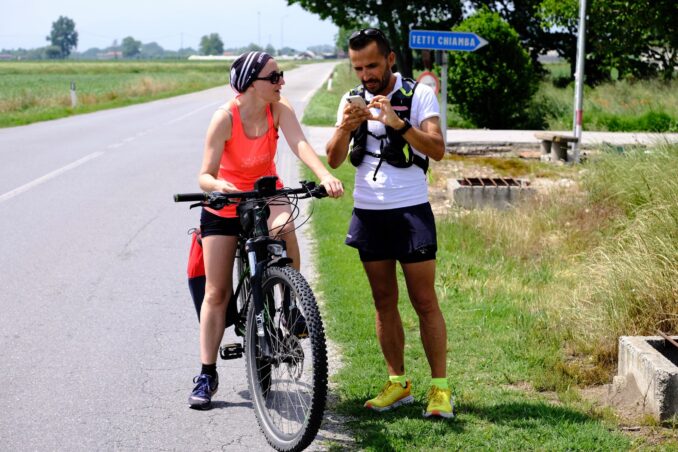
579, 79
74, 96
446, 41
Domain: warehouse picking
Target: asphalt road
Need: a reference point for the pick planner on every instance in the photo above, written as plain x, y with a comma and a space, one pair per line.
98, 335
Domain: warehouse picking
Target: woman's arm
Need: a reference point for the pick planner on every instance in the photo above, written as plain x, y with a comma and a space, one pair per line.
218, 132
302, 149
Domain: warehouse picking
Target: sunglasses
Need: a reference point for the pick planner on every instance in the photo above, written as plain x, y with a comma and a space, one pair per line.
367, 32
274, 77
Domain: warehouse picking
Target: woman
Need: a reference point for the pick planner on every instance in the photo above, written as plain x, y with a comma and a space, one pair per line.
240, 148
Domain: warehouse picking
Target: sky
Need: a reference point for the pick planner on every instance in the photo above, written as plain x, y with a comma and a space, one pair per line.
170, 23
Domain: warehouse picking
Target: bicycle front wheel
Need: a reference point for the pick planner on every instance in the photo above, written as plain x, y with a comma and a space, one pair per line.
289, 387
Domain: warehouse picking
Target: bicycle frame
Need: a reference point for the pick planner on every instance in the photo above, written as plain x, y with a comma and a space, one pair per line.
278, 319
254, 243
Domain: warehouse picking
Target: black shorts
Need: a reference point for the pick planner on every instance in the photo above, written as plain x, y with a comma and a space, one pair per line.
406, 234
211, 224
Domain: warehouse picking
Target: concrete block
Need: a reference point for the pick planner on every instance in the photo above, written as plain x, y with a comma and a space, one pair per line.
487, 196
655, 375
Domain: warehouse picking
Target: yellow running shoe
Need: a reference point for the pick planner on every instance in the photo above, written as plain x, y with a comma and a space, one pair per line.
440, 403
391, 396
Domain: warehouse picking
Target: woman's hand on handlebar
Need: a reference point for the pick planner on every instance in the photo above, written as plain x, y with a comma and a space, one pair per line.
225, 186
332, 185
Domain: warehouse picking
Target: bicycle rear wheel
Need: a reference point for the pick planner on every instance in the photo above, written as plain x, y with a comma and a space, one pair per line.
288, 390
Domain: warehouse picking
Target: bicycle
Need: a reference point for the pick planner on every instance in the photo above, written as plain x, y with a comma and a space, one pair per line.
277, 317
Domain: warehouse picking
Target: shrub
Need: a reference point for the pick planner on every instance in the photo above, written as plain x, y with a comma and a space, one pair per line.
493, 86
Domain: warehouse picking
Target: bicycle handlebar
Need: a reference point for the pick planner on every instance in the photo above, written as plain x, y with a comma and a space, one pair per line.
308, 188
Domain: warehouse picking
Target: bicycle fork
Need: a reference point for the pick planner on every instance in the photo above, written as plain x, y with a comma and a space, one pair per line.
254, 247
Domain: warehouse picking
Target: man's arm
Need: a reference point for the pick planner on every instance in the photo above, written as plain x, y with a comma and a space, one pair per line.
337, 147
426, 139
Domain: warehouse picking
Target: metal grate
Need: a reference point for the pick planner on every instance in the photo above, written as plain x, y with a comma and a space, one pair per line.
492, 182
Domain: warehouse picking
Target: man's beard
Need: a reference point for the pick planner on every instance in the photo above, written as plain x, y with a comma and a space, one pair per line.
383, 83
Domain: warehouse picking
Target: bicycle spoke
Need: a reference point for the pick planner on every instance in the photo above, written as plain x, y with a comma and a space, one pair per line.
289, 392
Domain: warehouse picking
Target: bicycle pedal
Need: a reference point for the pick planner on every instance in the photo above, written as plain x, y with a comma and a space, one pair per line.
230, 351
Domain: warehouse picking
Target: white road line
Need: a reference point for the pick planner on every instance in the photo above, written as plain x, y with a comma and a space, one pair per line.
181, 118
34, 183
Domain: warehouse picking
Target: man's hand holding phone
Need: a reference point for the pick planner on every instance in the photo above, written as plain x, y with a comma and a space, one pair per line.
355, 112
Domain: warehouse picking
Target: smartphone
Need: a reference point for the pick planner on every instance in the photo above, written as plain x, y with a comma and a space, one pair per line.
356, 100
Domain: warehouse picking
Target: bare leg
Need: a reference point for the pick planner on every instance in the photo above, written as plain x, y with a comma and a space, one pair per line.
420, 278
219, 252
280, 223
382, 278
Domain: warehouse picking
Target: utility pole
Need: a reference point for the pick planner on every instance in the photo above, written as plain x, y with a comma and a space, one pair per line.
579, 79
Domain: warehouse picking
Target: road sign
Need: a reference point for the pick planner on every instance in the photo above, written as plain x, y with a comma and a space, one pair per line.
445, 40
429, 79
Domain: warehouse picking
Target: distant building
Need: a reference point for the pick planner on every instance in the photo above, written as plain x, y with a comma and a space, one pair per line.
110, 55
305, 55
212, 57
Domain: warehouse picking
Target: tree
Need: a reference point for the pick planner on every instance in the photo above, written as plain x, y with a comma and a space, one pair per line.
395, 18
152, 50
270, 49
287, 51
53, 52
130, 47
211, 45
253, 48
63, 35
494, 85
636, 38
345, 33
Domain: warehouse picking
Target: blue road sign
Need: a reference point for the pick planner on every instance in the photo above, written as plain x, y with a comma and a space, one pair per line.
445, 40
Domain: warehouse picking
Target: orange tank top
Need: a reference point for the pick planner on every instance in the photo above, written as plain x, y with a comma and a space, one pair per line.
246, 159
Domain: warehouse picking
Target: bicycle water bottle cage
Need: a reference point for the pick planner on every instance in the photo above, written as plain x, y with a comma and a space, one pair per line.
266, 185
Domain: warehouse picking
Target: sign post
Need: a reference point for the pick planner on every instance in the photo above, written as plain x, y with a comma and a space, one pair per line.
446, 41
579, 79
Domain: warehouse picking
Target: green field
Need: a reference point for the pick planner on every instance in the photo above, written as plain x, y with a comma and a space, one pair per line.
534, 299
37, 91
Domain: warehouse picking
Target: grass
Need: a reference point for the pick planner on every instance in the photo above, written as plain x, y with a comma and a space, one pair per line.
622, 106
38, 91
507, 283
631, 279
322, 109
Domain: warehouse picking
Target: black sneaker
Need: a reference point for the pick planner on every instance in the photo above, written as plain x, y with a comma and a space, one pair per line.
206, 386
295, 322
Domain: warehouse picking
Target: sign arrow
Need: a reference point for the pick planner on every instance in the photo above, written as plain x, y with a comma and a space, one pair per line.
446, 40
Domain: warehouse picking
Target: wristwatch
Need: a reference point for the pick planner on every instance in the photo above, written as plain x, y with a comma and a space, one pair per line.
404, 128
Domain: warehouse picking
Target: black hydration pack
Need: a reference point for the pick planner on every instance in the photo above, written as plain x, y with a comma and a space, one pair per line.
393, 148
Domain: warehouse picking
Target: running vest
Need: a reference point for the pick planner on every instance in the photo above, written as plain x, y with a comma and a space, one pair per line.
394, 149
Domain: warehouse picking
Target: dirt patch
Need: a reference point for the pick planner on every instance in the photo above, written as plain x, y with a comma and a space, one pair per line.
626, 401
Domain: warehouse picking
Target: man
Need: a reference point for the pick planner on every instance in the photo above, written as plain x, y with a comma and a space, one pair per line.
393, 137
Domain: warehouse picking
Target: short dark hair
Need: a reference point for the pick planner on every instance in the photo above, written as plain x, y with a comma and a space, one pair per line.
362, 38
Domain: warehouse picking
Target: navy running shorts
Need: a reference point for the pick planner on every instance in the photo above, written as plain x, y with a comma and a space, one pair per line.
406, 234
